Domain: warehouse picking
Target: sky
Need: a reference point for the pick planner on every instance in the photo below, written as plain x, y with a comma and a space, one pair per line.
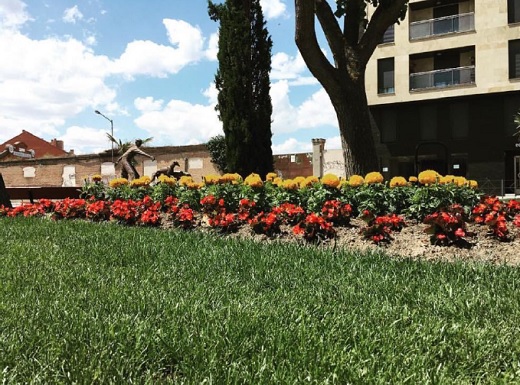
149, 66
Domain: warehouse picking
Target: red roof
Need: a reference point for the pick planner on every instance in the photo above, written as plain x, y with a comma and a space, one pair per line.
42, 148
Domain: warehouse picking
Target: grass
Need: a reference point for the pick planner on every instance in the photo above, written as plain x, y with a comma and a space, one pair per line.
90, 303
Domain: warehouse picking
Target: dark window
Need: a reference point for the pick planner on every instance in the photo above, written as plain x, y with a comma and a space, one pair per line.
459, 120
385, 76
428, 122
514, 59
388, 126
513, 11
388, 37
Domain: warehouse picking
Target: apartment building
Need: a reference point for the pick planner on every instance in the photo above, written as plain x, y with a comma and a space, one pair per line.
444, 86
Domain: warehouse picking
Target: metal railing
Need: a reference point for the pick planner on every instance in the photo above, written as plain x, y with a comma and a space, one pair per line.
443, 25
442, 78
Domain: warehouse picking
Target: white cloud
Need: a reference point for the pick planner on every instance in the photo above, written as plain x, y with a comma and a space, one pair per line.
180, 123
148, 104
273, 8
13, 14
212, 50
71, 15
292, 146
85, 140
317, 111
144, 57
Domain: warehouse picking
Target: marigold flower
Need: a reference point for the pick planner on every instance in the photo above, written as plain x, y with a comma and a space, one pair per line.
271, 176
96, 178
290, 184
473, 183
330, 180
446, 179
166, 180
211, 179
277, 181
309, 181
398, 181
253, 180
185, 180
356, 180
428, 177
374, 177
413, 179
141, 181
117, 182
460, 181
231, 178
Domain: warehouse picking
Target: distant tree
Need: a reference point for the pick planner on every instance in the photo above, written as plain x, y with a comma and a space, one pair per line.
242, 80
352, 45
217, 151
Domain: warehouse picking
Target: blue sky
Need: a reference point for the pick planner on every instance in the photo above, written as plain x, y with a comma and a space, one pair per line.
147, 64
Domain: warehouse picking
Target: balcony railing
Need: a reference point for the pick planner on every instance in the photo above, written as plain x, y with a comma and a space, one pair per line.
442, 78
443, 25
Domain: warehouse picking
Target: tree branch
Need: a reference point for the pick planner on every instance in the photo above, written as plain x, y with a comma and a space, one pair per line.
332, 30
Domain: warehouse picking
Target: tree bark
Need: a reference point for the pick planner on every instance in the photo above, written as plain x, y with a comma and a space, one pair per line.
5, 200
344, 80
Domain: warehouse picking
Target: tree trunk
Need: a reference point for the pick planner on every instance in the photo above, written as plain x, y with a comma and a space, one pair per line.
354, 118
4, 196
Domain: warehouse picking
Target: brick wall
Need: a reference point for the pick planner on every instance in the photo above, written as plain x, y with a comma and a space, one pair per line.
49, 171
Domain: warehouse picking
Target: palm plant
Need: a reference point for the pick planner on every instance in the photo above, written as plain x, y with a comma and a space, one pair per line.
121, 147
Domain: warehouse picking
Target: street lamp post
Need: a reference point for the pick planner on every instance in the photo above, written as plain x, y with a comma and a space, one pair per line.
111, 131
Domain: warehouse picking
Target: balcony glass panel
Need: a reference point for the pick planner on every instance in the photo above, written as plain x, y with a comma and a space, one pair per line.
441, 26
442, 78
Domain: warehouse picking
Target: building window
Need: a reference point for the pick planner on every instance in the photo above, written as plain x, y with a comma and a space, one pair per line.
514, 59
388, 126
29, 172
385, 76
388, 36
195, 164
69, 176
513, 11
428, 122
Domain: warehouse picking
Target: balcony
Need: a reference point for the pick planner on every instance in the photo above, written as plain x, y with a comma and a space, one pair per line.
442, 26
442, 78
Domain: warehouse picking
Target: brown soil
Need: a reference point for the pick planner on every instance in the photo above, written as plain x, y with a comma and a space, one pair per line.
413, 242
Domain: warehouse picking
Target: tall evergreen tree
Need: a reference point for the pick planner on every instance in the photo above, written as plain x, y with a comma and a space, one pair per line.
242, 80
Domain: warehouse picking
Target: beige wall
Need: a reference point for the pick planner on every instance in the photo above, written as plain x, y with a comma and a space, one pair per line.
490, 40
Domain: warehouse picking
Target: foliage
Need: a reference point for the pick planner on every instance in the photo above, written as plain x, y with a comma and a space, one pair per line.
315, 228
217, 151
242, 80
494, 213
379, 228
448, 226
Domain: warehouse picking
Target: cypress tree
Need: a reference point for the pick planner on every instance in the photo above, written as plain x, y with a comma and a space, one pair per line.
242, 80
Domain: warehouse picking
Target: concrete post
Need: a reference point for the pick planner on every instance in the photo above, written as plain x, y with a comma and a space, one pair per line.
318, 148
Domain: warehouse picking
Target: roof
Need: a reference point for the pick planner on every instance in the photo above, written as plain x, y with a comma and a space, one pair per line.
41, 148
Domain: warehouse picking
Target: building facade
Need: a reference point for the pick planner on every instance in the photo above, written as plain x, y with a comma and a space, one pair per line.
444, 87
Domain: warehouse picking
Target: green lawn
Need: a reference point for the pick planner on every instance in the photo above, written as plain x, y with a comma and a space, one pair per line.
100, 303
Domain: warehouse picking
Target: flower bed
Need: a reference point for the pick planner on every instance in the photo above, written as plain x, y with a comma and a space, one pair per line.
311, 209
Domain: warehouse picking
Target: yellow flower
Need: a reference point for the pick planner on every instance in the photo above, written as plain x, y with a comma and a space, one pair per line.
117, 182
299, 180
356, 180
231, 178
193, 185
166, 180
413, 179
277, 181
96, 178
428, 177
459, 181
211, 179
374, 177
330, 180
447, 179
185, 180
309, 181
398, 181
271, 176
289, 184
141, 182
473, 183
253, 180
